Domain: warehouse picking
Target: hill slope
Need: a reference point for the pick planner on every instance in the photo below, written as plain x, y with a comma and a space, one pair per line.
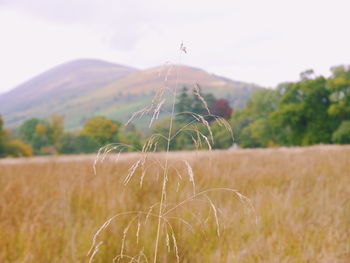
47, 92
121, 98
85, 88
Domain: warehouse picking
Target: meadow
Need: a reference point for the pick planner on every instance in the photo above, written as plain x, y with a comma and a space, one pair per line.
50, 207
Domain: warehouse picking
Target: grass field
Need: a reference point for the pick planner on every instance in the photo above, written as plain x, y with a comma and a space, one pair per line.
50, 207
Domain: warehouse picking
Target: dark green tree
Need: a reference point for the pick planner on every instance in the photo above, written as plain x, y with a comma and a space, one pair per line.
183, 103
302, 116
72, 143
183, 106
28, 128
201, 101
196, 102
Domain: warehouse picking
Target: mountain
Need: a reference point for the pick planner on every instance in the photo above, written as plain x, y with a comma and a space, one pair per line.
49, 91
84, 88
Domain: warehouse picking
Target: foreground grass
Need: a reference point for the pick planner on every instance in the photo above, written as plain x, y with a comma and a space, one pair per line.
51, 207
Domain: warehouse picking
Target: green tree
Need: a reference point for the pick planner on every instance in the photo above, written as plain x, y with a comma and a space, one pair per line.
56, 128
130, 136
12, 147
38, 134
199, 100
160, 133
2, 138
252, 126
103, 130
183, 103
181, 136
28, 128
257, 134
302, 116
339, 86
222, 138
72, 143
192, 103
342, 134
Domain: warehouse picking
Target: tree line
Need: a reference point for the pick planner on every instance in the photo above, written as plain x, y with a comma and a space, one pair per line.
44, 137
313, 110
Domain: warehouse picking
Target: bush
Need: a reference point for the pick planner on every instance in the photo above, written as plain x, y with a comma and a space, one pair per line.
17, 148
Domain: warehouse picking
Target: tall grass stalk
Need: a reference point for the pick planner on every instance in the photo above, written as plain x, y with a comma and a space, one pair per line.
163, 215
166, 168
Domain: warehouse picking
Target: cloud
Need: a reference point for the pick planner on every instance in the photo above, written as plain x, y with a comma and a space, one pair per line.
261, 41
55, 10
119, 22
123, 23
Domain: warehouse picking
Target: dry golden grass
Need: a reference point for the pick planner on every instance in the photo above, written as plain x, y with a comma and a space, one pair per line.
51, 207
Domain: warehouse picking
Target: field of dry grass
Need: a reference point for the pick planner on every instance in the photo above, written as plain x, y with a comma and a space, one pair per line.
51, 207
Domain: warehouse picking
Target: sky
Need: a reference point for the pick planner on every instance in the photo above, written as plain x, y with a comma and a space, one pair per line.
258, 41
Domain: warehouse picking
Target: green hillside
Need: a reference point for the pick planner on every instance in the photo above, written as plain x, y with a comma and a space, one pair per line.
84, 88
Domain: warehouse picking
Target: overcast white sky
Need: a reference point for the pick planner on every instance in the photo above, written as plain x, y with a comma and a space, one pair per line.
261, 41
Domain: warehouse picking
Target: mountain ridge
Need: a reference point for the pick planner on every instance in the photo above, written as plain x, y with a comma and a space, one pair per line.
84, 88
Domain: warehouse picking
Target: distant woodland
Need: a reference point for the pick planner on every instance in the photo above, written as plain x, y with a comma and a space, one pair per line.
313, 110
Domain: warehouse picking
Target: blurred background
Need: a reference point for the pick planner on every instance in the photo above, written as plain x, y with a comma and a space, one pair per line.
66, 62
